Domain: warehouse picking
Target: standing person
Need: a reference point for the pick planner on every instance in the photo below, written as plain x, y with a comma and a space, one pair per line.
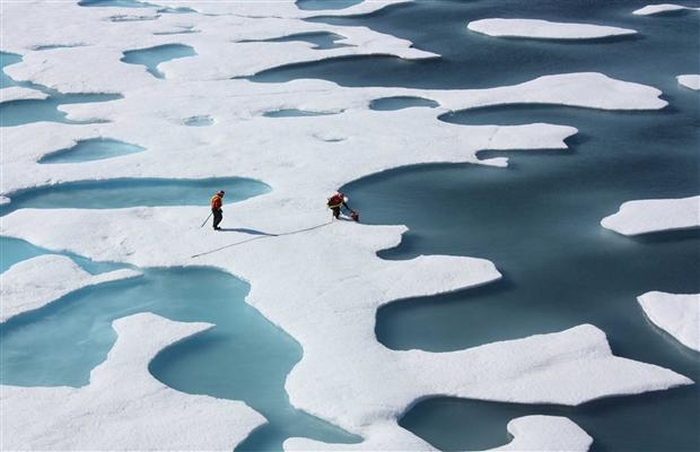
216, 203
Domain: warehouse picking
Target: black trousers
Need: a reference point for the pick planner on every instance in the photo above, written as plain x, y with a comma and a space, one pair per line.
218, 216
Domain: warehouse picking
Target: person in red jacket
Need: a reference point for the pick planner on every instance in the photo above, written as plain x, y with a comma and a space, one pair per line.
337, 202
216, 203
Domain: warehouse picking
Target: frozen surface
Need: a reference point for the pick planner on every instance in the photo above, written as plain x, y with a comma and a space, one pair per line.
14, 93
691, 81
31, 284
326, 297
677, 314
544, 29
654, 215
259, 152
124, 407
662, 8
546, 433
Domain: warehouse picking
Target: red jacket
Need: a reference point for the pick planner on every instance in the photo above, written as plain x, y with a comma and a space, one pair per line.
216, 201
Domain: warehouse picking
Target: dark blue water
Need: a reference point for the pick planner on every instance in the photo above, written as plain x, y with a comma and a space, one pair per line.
665, 47
538, 220
326, 4
401, 102
244, 358
118, 193
92, 149
153, 56
293, 112
115, 3
320, 40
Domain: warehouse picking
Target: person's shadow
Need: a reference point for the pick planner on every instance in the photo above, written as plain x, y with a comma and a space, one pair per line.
247, 231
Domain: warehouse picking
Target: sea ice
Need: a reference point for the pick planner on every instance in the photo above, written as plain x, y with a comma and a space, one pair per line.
124, 407
546, 433
14, 93
691, 81
36, 282
320, 281
544, 29
661, 8
655, 215
677, 314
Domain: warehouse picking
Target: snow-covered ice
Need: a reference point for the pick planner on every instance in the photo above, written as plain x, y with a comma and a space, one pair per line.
13, 93
691, 81
36, 282
662, 8
655, 215
677, 314
124, 407
544, 29
546, 433
294, 142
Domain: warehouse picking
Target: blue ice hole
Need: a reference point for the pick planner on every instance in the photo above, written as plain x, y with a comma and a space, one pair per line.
134, 192
92, 149
294, 112
14, 251
116, 3
26, 111
153, 56
199, 121
320, 40
326, 4
401, 102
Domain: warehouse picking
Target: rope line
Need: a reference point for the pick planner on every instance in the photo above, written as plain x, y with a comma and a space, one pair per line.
261, 237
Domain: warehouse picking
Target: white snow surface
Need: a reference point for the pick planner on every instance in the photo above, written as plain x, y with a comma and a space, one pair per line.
662, 8
13, 93
544, 29
124, 407
320, 281
691, 81
655, 215
677, 314
36, 282
546, 433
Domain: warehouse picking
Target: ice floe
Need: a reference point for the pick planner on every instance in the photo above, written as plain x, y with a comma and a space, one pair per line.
14, 93
220, 55
270, 146
655, 215
34, 283
320, 281
544, 29
677, 314
124, 407
546, 433
662, 8
691, 81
